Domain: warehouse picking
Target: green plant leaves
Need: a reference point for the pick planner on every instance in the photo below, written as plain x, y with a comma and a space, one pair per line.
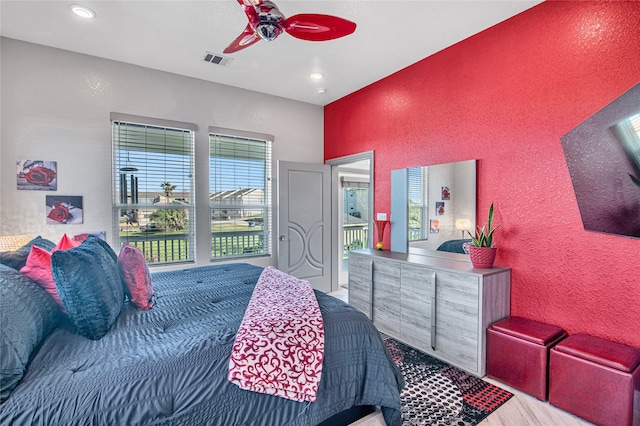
484, 235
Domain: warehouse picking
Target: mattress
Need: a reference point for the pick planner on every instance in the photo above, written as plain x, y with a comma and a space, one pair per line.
168, 365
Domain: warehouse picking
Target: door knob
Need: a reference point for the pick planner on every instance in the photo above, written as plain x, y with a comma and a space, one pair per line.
282, 238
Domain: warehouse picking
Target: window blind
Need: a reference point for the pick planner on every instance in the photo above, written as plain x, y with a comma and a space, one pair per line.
153, 189
418, 203
239, 194
353, 182
627, 132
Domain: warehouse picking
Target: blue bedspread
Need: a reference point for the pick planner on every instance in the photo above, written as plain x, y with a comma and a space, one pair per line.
169, 365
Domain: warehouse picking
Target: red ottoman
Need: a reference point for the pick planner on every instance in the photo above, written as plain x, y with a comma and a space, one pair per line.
518, 353
597, 380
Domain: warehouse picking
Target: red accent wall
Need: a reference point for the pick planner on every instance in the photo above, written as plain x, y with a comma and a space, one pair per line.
505, 97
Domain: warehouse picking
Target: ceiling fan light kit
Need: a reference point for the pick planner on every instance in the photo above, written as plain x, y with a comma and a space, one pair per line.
266, 22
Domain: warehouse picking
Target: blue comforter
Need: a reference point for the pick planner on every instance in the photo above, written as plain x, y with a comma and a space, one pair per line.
169, 365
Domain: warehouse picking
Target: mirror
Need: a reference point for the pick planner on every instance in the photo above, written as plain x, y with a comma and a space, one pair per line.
432, 205
603, 157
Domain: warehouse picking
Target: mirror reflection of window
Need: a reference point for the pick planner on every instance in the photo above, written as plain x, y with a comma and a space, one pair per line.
418, 203
628, 134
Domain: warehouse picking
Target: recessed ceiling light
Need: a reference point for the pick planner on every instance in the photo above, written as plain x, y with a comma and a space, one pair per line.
316, 76
82, 11
321, 91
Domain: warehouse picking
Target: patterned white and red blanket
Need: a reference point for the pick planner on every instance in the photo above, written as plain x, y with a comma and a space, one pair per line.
279, 347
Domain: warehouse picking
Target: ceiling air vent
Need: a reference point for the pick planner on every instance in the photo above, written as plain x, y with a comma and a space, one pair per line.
216, 59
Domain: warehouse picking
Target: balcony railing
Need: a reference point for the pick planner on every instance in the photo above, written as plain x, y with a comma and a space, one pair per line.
354, 237
162, 248
167, 248
413, 234
236, 243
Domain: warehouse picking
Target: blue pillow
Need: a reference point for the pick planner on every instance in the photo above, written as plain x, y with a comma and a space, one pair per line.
27, 316
88, 283
17, 259
105, 246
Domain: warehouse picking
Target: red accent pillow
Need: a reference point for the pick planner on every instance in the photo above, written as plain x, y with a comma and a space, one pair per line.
38, 267
135, 275
66, 243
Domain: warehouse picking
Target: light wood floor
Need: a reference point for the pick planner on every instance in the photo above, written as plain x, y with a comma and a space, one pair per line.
524, 410
521, 410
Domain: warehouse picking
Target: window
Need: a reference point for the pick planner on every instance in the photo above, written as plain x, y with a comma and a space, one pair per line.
153, 187
627, 132
418, 203
239, 193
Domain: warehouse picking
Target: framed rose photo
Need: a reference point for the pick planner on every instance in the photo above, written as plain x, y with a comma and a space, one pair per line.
37, 175
63, 209
446, 193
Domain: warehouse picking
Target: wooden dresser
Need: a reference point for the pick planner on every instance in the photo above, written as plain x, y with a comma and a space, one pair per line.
436, 303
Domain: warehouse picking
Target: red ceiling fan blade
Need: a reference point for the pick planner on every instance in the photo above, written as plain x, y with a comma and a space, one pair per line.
316, 27
246, 39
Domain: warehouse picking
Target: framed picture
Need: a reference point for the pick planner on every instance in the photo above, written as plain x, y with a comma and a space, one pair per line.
446, 193
439, 208
37, 175
434, 226
63, 209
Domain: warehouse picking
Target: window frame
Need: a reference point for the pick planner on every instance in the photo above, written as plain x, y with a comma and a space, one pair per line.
266, 205
187, 245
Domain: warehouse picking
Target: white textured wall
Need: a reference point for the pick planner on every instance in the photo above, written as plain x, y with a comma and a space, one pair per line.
56, 105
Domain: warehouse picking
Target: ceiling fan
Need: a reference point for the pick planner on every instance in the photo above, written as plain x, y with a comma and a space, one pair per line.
266, 22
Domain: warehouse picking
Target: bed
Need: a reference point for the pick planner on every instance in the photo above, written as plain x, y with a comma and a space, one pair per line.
454, 246
168, 364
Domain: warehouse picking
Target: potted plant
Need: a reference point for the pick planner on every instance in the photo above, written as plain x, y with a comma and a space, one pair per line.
482, 252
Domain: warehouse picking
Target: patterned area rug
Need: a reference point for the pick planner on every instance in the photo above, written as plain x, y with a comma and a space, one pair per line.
437, 393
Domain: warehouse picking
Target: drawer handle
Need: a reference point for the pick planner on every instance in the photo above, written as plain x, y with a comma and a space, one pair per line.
433, 311
370, 280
